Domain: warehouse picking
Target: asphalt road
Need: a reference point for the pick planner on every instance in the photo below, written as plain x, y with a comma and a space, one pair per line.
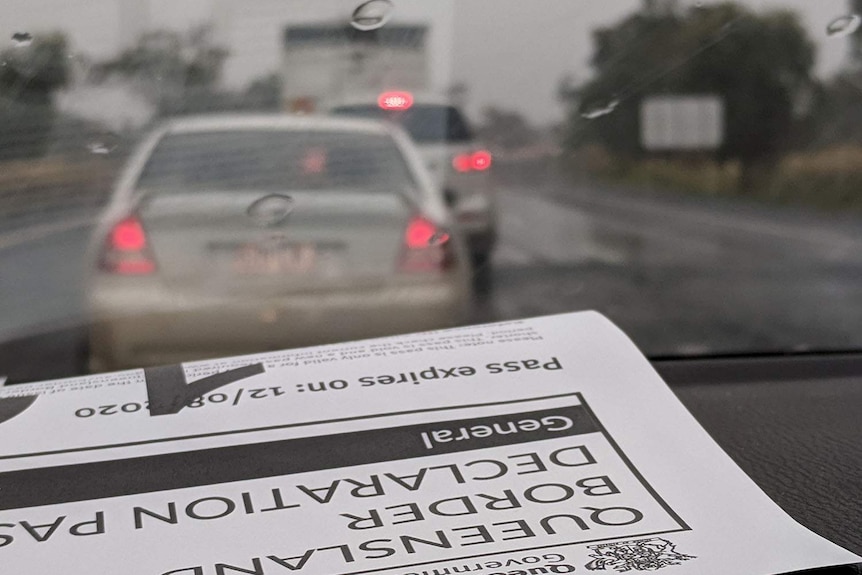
682, 275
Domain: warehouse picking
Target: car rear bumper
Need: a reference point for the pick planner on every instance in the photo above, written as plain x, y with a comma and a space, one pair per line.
151, 327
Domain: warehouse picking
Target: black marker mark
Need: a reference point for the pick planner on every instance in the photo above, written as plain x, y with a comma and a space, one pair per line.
169, 392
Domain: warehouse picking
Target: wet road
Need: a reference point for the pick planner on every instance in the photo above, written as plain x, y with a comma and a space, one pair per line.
682, 275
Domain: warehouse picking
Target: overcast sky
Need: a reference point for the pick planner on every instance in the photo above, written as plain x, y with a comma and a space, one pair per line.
511, 52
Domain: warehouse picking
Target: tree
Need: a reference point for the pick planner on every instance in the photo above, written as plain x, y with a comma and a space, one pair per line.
263, 93
29, 77
856, 39
759, 64
839, 111
505, 129
839, 106
168, 66
180, 73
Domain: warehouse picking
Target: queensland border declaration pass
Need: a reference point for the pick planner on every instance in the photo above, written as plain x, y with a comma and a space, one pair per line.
545, 446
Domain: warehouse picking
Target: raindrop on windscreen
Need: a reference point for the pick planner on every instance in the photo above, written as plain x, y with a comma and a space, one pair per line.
103, 144
600, 111
438, 238
372, 15
22, 39
100, 148
843, 26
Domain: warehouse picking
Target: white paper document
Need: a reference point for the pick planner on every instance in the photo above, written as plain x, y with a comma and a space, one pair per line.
545, 446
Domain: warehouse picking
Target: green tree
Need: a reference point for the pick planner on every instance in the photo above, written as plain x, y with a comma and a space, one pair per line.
856, 39
169, 67
505, 129
760, 64
839, 111
263, 93
29, 77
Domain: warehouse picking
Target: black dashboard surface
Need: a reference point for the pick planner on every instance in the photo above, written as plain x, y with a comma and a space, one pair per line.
793, 424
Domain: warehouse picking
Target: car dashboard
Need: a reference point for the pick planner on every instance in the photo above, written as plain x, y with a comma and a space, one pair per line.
792, 423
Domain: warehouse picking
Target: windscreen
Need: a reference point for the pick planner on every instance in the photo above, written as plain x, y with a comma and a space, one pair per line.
275, 160
425, 123
690, 169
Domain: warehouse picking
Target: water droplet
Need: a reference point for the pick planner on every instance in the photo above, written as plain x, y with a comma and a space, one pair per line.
98, 148
372, 15
438, 238
104, 144
843, 26
22, 39
600, 111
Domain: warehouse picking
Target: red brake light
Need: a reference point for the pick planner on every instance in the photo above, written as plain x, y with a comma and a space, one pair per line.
475, 162
128, 236
395, 100
461, 163
480, 160
314, 161
423, 234
135, 268
427, 247
126, 251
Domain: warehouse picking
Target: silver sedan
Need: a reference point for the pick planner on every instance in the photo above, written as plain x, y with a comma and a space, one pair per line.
236, 234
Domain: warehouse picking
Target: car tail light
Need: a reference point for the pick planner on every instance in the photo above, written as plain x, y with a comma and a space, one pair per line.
127, 250
461, 163
426, 247
478, 161
481, 160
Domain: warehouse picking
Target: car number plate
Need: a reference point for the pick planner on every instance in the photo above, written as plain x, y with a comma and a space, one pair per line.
255, 259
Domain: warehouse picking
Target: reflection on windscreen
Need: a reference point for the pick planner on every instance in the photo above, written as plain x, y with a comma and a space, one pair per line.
425, 123
691, 169
275, 160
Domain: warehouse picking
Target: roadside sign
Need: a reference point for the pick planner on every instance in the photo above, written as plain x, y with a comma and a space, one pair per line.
682, 122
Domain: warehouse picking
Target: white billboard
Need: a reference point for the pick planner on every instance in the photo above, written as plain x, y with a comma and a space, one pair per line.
682, 122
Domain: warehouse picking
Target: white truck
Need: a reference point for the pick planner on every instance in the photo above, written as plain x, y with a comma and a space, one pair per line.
331, 62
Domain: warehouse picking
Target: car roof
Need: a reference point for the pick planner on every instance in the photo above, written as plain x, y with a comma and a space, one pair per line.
286, 122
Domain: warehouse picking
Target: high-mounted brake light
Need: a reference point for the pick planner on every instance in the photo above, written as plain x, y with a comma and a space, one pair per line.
478, 161
395, 100
126, 249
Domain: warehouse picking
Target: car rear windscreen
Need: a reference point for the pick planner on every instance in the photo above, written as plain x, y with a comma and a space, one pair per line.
275, 160
424, 122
